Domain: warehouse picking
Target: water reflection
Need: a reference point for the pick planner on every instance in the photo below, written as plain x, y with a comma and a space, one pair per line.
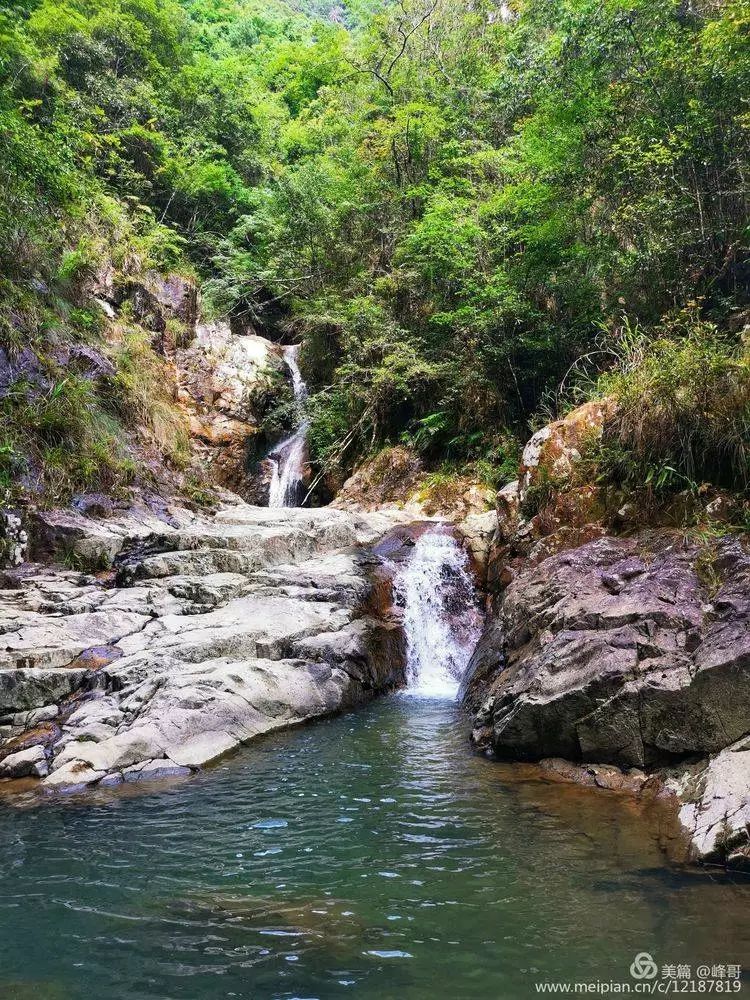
369, 854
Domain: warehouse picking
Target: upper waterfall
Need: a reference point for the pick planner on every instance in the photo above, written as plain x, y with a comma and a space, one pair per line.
441, 614
288, 457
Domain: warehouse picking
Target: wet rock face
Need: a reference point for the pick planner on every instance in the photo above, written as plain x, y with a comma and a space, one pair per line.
617, 652
219, 630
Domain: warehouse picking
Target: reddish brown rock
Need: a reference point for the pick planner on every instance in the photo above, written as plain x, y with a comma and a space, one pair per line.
43, 735
390, 477
605, 776
396, 477
219, 375
94, 658
553, 451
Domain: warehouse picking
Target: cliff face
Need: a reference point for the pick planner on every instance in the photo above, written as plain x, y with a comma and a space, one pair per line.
629, 649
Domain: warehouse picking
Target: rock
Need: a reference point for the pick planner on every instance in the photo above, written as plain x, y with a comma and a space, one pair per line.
70, 535
94, 505
25, 763
95, 658
106, 307
391, 477
477, 532
396, 477
219, 375
156, 299
625, 653
552, 453
92, 731
85, 361
73, 776
222, 628
507, 504
715, 807
24, 689
14, 540
547, 510
44, 714
46, 641
142, 742
154, 770
102, 710
44, 734
605, 776
202, 748
177, 295
606, 653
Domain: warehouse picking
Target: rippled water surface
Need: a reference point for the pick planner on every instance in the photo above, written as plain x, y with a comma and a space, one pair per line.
369, 855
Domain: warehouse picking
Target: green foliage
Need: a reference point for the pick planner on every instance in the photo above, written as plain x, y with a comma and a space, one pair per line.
448, 202
61, 436
683, 414
458, 202
141, 391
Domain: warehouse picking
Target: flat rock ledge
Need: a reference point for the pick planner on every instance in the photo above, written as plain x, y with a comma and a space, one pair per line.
630, 657
208, 633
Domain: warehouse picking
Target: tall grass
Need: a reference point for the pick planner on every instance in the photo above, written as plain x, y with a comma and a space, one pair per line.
683, 413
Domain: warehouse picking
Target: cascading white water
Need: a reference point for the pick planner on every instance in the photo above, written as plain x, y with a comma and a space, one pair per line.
288, 457
441, 614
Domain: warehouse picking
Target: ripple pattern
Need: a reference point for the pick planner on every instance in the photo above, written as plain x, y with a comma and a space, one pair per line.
371, 855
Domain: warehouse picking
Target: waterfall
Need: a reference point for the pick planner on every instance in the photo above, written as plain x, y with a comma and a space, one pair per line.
441, 614
288, 457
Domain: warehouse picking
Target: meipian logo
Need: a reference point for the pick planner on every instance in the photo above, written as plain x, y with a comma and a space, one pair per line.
644, 966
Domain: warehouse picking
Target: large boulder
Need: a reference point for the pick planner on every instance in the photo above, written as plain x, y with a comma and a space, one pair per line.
633, 652
388, 478
551, 507
618, 651
396, 476
553, 451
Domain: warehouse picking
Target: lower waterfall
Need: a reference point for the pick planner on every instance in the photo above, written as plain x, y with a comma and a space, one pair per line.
441, 613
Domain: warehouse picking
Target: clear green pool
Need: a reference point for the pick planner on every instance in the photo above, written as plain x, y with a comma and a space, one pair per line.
371, 855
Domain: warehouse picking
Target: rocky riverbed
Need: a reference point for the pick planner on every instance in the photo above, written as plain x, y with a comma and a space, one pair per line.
207, 632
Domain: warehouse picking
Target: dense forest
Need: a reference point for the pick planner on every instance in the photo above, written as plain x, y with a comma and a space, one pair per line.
474, 215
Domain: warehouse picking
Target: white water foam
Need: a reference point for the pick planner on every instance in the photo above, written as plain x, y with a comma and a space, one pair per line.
441, 614
288, 457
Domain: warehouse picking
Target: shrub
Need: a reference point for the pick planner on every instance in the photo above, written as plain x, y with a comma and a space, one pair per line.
683, 412
141, 395
64, 434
